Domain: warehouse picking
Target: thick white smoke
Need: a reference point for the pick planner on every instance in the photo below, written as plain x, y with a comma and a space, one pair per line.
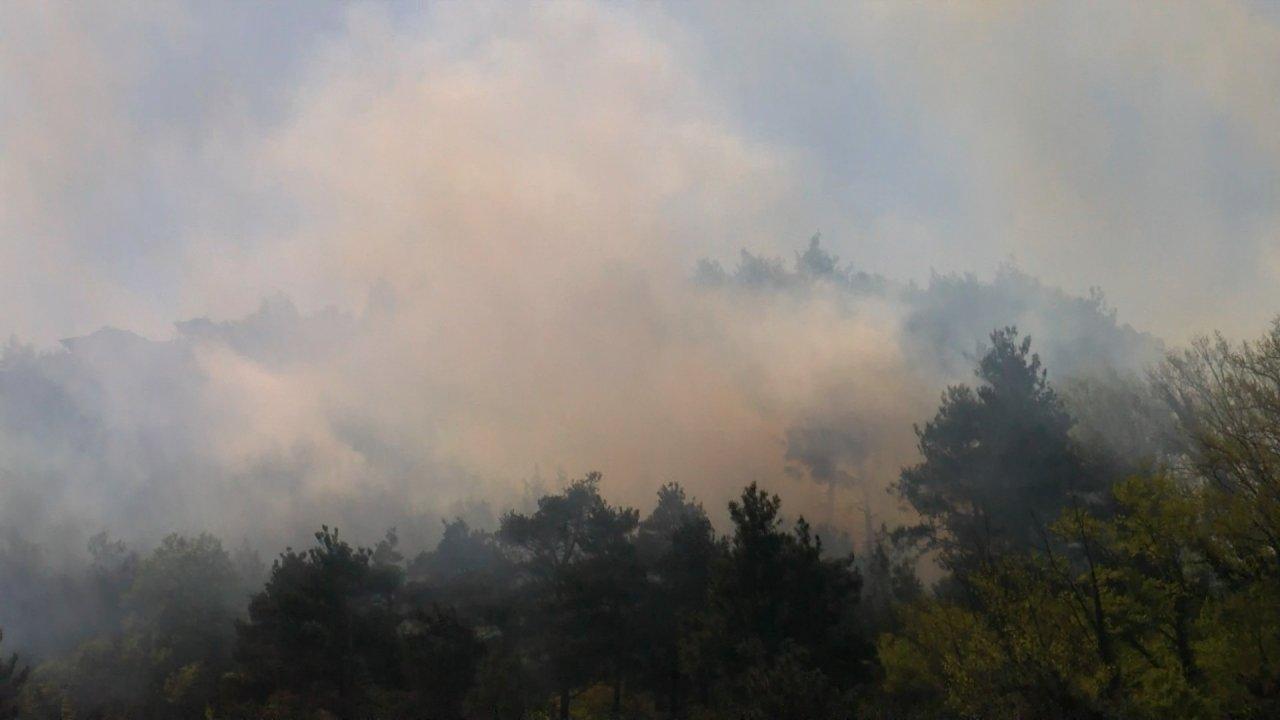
506, 206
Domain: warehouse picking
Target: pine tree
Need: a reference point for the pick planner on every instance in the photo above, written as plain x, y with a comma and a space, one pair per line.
12, 678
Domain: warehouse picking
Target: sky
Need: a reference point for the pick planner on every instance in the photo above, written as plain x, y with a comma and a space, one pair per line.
164, 160
528, 188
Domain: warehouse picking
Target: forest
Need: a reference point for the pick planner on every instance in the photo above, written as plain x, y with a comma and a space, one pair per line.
1049, 573
663, 360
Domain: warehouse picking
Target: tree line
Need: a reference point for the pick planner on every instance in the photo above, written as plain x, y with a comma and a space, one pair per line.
1129, 572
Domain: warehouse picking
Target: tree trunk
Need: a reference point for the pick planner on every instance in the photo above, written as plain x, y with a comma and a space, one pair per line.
1182, 634
673, 701
617, 696
564, 703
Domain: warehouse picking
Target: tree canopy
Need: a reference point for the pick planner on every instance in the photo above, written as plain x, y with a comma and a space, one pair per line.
1136, 580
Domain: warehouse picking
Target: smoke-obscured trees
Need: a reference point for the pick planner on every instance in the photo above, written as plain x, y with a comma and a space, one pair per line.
582, 583
336, 630
322, 630
162, 640
998, 461
781, 631
679, 548
12, 677
1158, 600
1085, 576
1228, 404
1227, 400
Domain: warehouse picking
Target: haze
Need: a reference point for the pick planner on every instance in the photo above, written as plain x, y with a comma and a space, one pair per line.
369, 262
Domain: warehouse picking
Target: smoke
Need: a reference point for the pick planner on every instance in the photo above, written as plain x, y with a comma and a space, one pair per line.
478, 231
262, 427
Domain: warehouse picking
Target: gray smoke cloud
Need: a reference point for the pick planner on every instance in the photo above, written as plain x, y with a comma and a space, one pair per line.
478, 229
805, 375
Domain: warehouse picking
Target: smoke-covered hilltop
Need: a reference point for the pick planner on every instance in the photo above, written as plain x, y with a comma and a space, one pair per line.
944, 322
261, 426
138, 437
503, 247
850, 431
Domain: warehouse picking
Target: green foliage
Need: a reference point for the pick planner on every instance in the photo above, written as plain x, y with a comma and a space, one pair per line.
774, 594
322, 628
582, 586
1159, 602
1238, 651
1021, 651
506, 687
998, 461
170, 640
186, 595
1228, 404
1227, 401
1131, 624
678, 546
785, 687
1071, 589
889, 583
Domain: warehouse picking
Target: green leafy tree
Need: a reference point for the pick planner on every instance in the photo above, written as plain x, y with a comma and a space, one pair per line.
1118, 627
183, 603
785, 687
1020, 653
172, 642
1227, 402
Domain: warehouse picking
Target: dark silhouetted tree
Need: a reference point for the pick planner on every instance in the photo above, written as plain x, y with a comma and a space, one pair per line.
322, 629
12, 678
776, 593
677, 545
183, 603
440, 657
998, 463
582, 579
